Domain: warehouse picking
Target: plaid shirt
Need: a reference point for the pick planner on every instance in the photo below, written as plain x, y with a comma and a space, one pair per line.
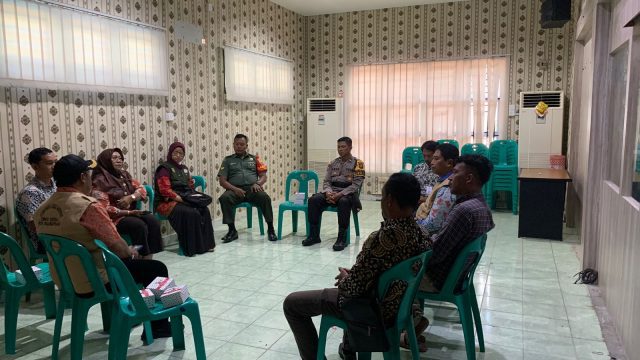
469, 219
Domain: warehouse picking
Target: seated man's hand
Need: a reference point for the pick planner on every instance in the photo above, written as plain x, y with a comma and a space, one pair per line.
329, 197
336, 197
256, 188
134, 252
342, 273
192, 182
239, 192
422, 199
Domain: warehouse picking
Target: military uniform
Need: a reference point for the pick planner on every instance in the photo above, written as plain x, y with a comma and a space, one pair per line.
243, 171
345, 177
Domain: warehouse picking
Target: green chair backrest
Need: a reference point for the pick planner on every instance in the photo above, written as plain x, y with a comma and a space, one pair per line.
411, 155
303, 177
150, 198
122, 284
62, 249
503, 152
461, 273
479, 149
409, 271
200, 182
18, 256
33, 254
449, 141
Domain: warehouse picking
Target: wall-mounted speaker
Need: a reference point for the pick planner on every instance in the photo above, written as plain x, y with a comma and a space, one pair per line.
554, 13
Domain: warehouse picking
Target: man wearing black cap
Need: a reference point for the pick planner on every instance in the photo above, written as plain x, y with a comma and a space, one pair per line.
71, 213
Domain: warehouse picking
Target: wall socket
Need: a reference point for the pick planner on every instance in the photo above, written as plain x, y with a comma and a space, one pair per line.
169, 116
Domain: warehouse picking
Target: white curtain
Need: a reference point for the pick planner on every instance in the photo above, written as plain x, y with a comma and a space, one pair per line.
252, 77
392, 106
55, 47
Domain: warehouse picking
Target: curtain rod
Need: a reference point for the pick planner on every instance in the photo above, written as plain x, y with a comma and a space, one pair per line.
97, 13
257, 53
413, 61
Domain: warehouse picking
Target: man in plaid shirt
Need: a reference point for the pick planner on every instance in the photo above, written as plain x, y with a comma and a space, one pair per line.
469, 219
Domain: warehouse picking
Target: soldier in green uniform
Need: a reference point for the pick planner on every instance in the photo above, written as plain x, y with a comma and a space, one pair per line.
243, 175
340, 188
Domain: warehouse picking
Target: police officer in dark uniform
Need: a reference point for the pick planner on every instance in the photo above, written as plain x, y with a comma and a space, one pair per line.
243, 175
340, 188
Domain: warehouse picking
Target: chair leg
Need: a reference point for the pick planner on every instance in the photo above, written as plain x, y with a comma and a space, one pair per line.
49, 293
55, 345
294, 220
413, 339
106, 308
148, 333
356, 223
249, 217
118, 337
476, 317
261, 222
322, 338
12, 305
78, 328
466, 319
348, 237
196, 328
177, 332
280, 214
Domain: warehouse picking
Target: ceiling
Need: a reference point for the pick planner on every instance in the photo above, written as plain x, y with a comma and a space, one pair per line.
320, 7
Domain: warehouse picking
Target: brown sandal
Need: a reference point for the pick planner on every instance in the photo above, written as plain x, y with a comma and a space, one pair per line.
404, 342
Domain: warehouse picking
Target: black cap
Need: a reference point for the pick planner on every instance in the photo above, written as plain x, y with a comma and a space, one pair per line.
69, 168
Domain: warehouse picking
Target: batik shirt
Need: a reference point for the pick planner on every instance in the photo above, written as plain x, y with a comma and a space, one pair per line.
396, 241
426, 177
28, 201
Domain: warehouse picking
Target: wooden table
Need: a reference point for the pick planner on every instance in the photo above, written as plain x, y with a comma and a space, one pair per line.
542, 198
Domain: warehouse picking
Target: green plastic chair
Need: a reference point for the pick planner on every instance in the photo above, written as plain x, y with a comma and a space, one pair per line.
409, 271
303, 177
458, 289
249, 207
504, 177
411, 156
34, 256
199, 182
449, 141
60, 249
356, 221
130, 309
14, 290
478, 149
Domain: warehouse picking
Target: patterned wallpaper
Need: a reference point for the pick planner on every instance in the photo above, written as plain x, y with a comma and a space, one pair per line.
320, 46
540, 59
87, 122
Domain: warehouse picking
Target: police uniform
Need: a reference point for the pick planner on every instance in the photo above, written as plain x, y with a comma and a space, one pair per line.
243, 171
345, 177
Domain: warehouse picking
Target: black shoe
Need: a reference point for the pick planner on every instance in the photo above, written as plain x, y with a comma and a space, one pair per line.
341, 242
271, 235
310, 241
339, 245
230, 236
346, 354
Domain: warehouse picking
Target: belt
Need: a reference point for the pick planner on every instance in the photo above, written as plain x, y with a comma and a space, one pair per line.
341, 184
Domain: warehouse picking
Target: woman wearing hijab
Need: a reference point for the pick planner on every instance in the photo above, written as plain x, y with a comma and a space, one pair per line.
118, 191
192, 224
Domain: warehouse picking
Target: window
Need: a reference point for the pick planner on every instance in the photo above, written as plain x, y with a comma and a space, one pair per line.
61, 47
253, 77
392, 106
617, 106
635, 185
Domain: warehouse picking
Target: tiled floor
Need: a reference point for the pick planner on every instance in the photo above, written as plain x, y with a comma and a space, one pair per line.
530, 307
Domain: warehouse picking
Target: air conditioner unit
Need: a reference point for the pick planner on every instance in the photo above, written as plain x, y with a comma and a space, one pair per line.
540, 135
325, 125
